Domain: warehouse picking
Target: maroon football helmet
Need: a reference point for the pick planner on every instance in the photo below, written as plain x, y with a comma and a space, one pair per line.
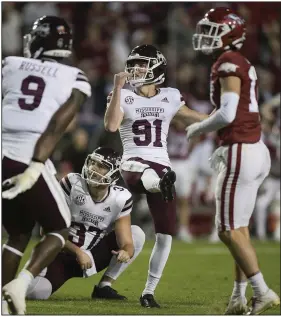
221, 29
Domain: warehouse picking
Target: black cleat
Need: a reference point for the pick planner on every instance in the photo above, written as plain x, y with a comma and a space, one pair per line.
106, 292
167, 185
148, 301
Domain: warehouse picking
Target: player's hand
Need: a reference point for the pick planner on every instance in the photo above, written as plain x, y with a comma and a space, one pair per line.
22, 182
120, 79
192, 130
83, 260
122, 256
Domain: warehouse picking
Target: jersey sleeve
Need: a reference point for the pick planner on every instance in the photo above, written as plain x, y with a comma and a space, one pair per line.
178, 99
230, 64
125, 203
82, 83
66, 185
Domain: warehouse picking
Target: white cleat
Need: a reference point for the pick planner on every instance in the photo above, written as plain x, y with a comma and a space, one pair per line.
5, 310
237, 306
185, 236
264, 302
14, 294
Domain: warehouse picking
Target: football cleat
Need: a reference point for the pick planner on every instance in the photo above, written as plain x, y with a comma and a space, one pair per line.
148, 301
14, 294
166, 185
237, 306
106, 292
264, 302
5, 309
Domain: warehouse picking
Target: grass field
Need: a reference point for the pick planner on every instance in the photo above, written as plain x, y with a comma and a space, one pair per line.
197, 280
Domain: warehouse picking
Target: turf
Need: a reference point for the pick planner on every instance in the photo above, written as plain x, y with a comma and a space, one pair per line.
197, 280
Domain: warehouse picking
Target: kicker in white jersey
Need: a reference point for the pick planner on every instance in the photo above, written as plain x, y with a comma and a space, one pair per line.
91, 221
146, 122
33, 91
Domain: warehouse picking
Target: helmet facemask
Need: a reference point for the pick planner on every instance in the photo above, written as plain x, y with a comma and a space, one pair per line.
208, 36
97, 171
144, 75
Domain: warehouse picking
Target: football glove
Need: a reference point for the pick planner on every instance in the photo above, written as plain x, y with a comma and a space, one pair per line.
22, 182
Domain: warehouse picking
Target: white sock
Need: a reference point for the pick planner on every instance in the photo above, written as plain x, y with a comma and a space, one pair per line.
258, 284
115, 269
157, 262
103, 284
239, 289
150, 180
26, 277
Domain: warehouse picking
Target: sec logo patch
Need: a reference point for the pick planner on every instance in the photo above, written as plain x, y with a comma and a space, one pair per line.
129, 100
80, 200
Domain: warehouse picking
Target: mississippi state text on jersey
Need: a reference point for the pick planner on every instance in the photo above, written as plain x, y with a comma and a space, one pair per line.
246, 127
91, 221
33, 91
146, 121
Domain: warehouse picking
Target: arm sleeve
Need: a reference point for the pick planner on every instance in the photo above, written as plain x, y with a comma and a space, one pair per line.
223, 116
82, 83
66, 187
127, 205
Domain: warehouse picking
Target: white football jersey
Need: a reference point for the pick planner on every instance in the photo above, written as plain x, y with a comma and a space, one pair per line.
146, 122
91, 221
33, 90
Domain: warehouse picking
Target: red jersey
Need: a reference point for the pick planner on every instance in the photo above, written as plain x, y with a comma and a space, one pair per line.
246, 127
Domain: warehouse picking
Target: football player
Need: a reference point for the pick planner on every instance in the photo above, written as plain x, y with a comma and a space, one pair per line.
243, 160
143, 116
40, 98
97, 206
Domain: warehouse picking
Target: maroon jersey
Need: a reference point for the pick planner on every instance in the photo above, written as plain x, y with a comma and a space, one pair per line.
246, 127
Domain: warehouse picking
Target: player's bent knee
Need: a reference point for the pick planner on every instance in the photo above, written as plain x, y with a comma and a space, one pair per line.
60, 235
40, 289
138, 236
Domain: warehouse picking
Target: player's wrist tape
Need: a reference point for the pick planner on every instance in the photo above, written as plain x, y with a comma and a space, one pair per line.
36, 160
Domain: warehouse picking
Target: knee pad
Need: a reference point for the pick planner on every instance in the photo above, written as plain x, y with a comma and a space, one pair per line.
40, 288
59, 236
163, 239
138, 236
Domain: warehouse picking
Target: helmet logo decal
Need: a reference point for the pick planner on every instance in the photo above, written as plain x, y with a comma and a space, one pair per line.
61, 29
129, 100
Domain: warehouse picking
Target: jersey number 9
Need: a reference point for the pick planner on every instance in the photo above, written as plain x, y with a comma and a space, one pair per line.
32, 86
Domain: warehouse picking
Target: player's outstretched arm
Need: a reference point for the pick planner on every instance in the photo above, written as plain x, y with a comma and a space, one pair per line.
225, 115
189, 116
124, 239
44, 146
114, 115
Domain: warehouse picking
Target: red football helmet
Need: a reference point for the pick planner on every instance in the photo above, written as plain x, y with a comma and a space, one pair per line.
220, 28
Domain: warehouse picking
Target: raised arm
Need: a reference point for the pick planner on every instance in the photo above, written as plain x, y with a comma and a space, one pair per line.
114, 114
